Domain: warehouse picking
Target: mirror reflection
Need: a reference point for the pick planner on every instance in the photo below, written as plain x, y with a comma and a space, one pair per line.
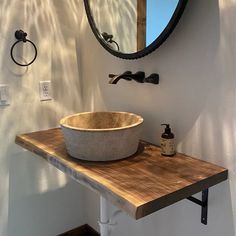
129, 26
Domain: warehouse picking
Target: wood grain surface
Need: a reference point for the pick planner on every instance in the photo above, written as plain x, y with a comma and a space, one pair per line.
140, 184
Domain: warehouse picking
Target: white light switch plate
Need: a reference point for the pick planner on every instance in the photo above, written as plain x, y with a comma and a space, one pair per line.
4, 95
45, 91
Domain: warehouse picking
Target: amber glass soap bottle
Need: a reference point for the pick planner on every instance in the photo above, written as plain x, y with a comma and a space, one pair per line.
167, 142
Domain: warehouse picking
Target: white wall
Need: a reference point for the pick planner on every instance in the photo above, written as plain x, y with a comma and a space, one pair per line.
35, 198
196, 95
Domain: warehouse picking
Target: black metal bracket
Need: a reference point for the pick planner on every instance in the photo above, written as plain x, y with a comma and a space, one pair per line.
203, 203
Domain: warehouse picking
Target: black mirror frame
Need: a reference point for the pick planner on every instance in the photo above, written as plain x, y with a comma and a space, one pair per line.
153, 46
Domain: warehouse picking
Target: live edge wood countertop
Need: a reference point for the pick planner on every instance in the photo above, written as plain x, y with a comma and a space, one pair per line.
139, 185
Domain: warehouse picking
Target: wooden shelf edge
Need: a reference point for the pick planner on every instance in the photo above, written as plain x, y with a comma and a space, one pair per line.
134, 210
92, 184
166, 201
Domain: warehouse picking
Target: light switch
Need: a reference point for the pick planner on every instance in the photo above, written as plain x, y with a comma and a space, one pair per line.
4, 95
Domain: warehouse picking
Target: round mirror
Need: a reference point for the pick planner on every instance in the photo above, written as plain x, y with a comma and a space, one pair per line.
131, 29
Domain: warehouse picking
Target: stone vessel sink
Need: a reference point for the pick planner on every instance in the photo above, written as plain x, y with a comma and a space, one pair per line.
101, 136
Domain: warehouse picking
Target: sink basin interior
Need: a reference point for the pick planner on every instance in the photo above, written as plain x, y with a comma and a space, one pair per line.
101, 121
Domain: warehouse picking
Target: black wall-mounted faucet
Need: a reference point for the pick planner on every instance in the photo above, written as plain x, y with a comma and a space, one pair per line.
138, 77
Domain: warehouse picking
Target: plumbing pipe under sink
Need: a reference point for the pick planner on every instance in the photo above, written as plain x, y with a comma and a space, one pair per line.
106, 225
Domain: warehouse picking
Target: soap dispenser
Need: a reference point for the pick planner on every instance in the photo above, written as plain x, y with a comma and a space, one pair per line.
167, 142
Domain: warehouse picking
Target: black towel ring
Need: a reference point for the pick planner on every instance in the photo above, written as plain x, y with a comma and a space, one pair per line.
21, 36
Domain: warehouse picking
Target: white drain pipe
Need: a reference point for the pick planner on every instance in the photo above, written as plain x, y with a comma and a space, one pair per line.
104, 220
106, 224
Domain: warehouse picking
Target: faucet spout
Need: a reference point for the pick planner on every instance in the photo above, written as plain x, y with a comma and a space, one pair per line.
138, 77
115, 78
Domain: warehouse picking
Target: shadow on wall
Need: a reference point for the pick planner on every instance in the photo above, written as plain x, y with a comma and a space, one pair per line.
51, 26
184, 69
88, 61
48, 213
56, 62
196, 92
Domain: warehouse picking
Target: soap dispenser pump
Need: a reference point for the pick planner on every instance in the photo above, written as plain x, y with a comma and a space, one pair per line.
167, 142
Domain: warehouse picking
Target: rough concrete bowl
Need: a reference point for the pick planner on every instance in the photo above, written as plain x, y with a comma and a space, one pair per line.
101, 136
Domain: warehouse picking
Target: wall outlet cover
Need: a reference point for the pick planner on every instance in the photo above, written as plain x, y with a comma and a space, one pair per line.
45, 90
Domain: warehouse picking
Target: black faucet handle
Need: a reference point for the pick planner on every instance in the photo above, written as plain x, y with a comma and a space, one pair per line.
139, 76
153, 78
